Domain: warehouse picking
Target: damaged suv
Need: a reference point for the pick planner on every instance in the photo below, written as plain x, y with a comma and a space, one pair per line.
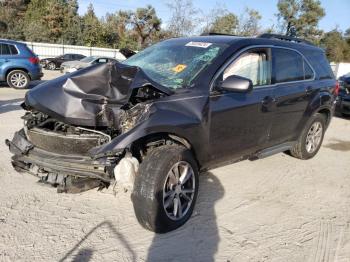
177, 108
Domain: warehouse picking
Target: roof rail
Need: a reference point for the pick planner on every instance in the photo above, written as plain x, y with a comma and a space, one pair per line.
213, 33
286, 38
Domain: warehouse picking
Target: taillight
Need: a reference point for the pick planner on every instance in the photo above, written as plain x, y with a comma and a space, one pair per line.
337, 88
34, 60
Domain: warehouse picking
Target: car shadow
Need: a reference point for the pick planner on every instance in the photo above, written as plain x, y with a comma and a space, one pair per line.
342, 116
198, 239
10, 105
85, 254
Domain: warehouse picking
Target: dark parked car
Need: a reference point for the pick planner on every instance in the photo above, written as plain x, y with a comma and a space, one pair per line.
343, 99
56, 62
153, 122
18, 64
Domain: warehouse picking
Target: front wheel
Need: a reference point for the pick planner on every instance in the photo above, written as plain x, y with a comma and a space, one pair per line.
166, 188
18, 79
311, 138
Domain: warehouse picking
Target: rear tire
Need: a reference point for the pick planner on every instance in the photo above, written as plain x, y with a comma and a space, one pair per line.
310, 140
162, 199
18, 79
51, 66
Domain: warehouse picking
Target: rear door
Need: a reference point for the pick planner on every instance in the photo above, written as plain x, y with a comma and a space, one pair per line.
293, 78
7, 52
240, 122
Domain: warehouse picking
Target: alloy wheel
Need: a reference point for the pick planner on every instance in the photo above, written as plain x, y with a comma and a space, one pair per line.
18, 80
179, 190
51, 66
314, 136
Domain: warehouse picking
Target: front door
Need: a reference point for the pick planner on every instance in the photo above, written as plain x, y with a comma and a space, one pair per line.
241, 122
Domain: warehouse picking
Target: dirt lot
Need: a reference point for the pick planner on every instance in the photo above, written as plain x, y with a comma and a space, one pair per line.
275, 209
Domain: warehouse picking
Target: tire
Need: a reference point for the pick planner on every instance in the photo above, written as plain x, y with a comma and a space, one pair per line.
51, 66
302, 148
18, 79
155, 180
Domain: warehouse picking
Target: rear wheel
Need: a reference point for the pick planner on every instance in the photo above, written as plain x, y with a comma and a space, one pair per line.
51, 66
18, 79
311, 138
166, 188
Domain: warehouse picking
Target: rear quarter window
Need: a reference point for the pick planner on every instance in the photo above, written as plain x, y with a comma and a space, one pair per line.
321, 65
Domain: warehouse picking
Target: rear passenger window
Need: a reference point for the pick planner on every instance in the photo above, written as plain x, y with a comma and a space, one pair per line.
6, 49
288, 66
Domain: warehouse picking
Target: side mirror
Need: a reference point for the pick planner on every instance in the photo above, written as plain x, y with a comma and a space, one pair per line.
236, 84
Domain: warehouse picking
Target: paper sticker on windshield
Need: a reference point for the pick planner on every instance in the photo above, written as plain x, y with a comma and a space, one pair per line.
179, 68
199, 44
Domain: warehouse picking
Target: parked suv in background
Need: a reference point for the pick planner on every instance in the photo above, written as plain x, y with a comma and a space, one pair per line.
18, 64
343, 99
184, 105
56, 62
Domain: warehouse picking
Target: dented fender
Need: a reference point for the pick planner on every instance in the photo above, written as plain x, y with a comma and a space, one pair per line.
189, 123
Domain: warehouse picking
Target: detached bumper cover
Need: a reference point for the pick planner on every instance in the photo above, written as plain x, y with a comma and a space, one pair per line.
37, 161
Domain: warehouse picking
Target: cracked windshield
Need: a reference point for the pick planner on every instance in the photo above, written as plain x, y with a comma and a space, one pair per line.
175, 65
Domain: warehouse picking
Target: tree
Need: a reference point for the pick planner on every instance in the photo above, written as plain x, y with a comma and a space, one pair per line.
183, 19
224, 24
249, 23
92, 30
302, 16
55, 13
145, 22
35, 28
337, 48
11, 18
72, 32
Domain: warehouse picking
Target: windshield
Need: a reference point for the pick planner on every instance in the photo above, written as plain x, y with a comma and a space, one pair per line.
173, 64
88, 59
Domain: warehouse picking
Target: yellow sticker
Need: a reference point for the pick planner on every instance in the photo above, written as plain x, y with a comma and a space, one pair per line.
179, 68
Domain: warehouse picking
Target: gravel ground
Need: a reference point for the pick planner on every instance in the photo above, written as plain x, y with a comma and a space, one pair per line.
275, 209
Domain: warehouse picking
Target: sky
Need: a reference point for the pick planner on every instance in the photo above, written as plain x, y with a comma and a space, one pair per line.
337, 11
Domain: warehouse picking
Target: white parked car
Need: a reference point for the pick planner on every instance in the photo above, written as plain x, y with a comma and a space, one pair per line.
72, 66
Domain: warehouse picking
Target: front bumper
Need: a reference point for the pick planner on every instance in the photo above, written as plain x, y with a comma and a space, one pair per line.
56, 168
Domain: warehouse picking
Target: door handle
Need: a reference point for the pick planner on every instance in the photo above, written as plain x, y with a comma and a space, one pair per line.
308, 90
268, 100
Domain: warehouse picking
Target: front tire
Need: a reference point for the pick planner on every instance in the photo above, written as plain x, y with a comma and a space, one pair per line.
166, 188
310, 140
18, 79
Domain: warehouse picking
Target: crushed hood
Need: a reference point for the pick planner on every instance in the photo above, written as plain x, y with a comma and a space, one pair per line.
90, 96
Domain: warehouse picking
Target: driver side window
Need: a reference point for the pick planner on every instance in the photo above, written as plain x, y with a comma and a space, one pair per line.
253, 65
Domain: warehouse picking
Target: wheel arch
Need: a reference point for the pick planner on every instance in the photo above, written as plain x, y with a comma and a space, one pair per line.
327, 113
9, 70
159, 139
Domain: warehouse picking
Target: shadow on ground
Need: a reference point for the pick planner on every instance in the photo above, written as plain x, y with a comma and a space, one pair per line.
339, 145
85, 254
14, 104
10, 105
342, 116
198, 239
